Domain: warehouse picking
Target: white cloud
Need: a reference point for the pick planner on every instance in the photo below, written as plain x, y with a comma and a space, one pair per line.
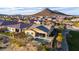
19, 10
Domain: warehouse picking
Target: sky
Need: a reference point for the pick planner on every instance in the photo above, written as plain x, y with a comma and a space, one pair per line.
33, 10
27, 7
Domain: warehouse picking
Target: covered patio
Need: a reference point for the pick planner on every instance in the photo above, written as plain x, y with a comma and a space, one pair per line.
39, 33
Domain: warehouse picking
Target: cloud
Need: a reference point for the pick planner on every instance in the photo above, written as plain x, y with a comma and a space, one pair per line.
32, 10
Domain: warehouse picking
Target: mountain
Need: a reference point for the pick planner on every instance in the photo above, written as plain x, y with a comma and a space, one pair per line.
3, 15
48, 12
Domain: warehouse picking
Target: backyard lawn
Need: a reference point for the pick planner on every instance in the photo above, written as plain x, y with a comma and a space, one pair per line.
73, 41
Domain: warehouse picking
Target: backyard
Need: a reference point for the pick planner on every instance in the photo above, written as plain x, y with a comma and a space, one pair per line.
73, 41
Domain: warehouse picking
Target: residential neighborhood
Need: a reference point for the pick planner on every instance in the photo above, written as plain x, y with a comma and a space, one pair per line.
47, 30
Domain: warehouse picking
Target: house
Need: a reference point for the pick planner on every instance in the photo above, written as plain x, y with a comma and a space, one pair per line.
14, 26
1, 22
48, 22
19, 27
38, 31
30, 31
76, 19
32, 21
38, 22
41, 31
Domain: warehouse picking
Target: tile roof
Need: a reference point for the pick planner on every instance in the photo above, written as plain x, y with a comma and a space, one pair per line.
14, 24
1, 21
19, 25
5, 23
43, 28
38, 30
32, 21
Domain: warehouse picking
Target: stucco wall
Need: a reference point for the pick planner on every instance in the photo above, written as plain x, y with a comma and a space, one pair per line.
30, 32
11, 29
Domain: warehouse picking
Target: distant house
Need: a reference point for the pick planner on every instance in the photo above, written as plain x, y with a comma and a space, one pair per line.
1, 22
32, 21
35, 21
76, 19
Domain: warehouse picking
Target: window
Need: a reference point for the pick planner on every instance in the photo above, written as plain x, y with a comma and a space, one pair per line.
40, 35
31, 33
17, 30
27, 32
43, 35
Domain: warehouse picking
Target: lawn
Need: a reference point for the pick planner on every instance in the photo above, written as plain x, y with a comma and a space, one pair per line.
73, 41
